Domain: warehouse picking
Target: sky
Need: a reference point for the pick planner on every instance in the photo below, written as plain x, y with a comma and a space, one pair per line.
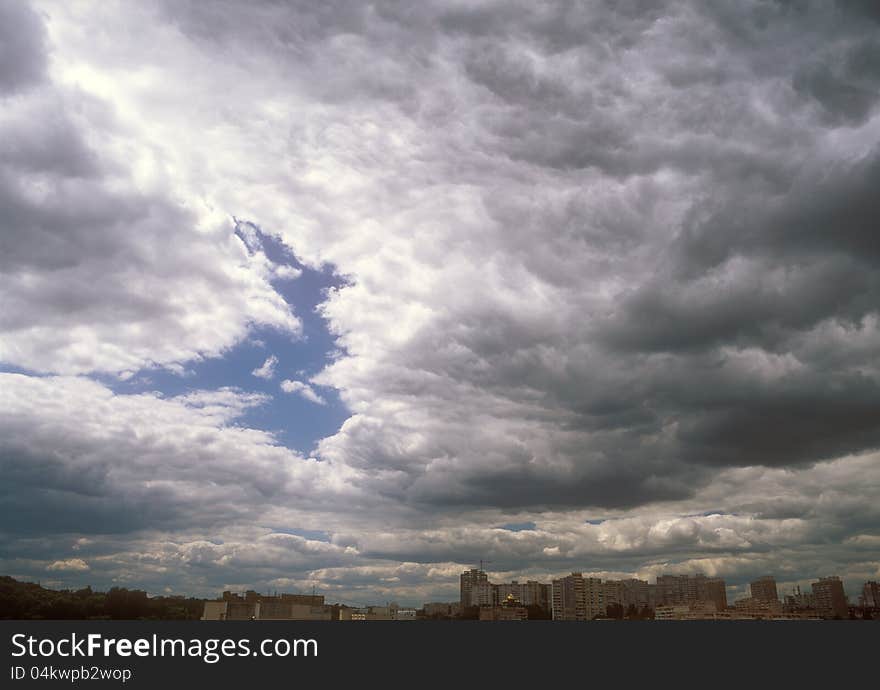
352, 296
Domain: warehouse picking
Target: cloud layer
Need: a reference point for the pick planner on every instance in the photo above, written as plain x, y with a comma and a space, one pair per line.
609, 263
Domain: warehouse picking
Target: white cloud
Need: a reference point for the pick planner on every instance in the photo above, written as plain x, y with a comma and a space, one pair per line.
267, 369
75, 564
104, 267
304, 390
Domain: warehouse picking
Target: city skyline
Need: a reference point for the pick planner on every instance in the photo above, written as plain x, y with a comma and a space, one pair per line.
571, 597
352, 297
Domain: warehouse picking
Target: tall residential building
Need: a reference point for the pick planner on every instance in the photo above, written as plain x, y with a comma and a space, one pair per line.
673, 590
594, 597
870, 595
630, 592
830, 598
483, 594
764, 589
530, 593
714, 589
569, 603
614, 594
471, 592
576, 598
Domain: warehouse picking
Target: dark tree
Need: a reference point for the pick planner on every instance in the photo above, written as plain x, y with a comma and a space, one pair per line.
614, 611
26, 600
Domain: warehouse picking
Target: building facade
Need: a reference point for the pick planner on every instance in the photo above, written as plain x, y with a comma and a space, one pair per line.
830, 598
577, 598
630, 593
253, 606
530, 593
799, 601
442, 609
473, 588
870, 597
673, 590
569, 603
758, 608
764, 589
509, 609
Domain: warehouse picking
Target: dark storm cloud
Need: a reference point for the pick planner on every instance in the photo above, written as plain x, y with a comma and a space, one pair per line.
516, 486
825, 212
794, 422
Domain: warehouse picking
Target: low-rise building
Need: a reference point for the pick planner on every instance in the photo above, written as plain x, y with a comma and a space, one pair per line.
755, 607
366, 613
253, 606
511, 609
214, 611
502, 613
798, 601
686, 612
706, 611
439, 609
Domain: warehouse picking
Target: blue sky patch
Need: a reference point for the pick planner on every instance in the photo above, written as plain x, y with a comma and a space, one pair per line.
296, 422
518, 526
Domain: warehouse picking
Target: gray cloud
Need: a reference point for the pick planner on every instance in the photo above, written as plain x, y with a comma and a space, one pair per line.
614, 260
22, 47
95, 257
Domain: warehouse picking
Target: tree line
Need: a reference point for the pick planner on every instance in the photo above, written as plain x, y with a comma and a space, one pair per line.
30, 601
